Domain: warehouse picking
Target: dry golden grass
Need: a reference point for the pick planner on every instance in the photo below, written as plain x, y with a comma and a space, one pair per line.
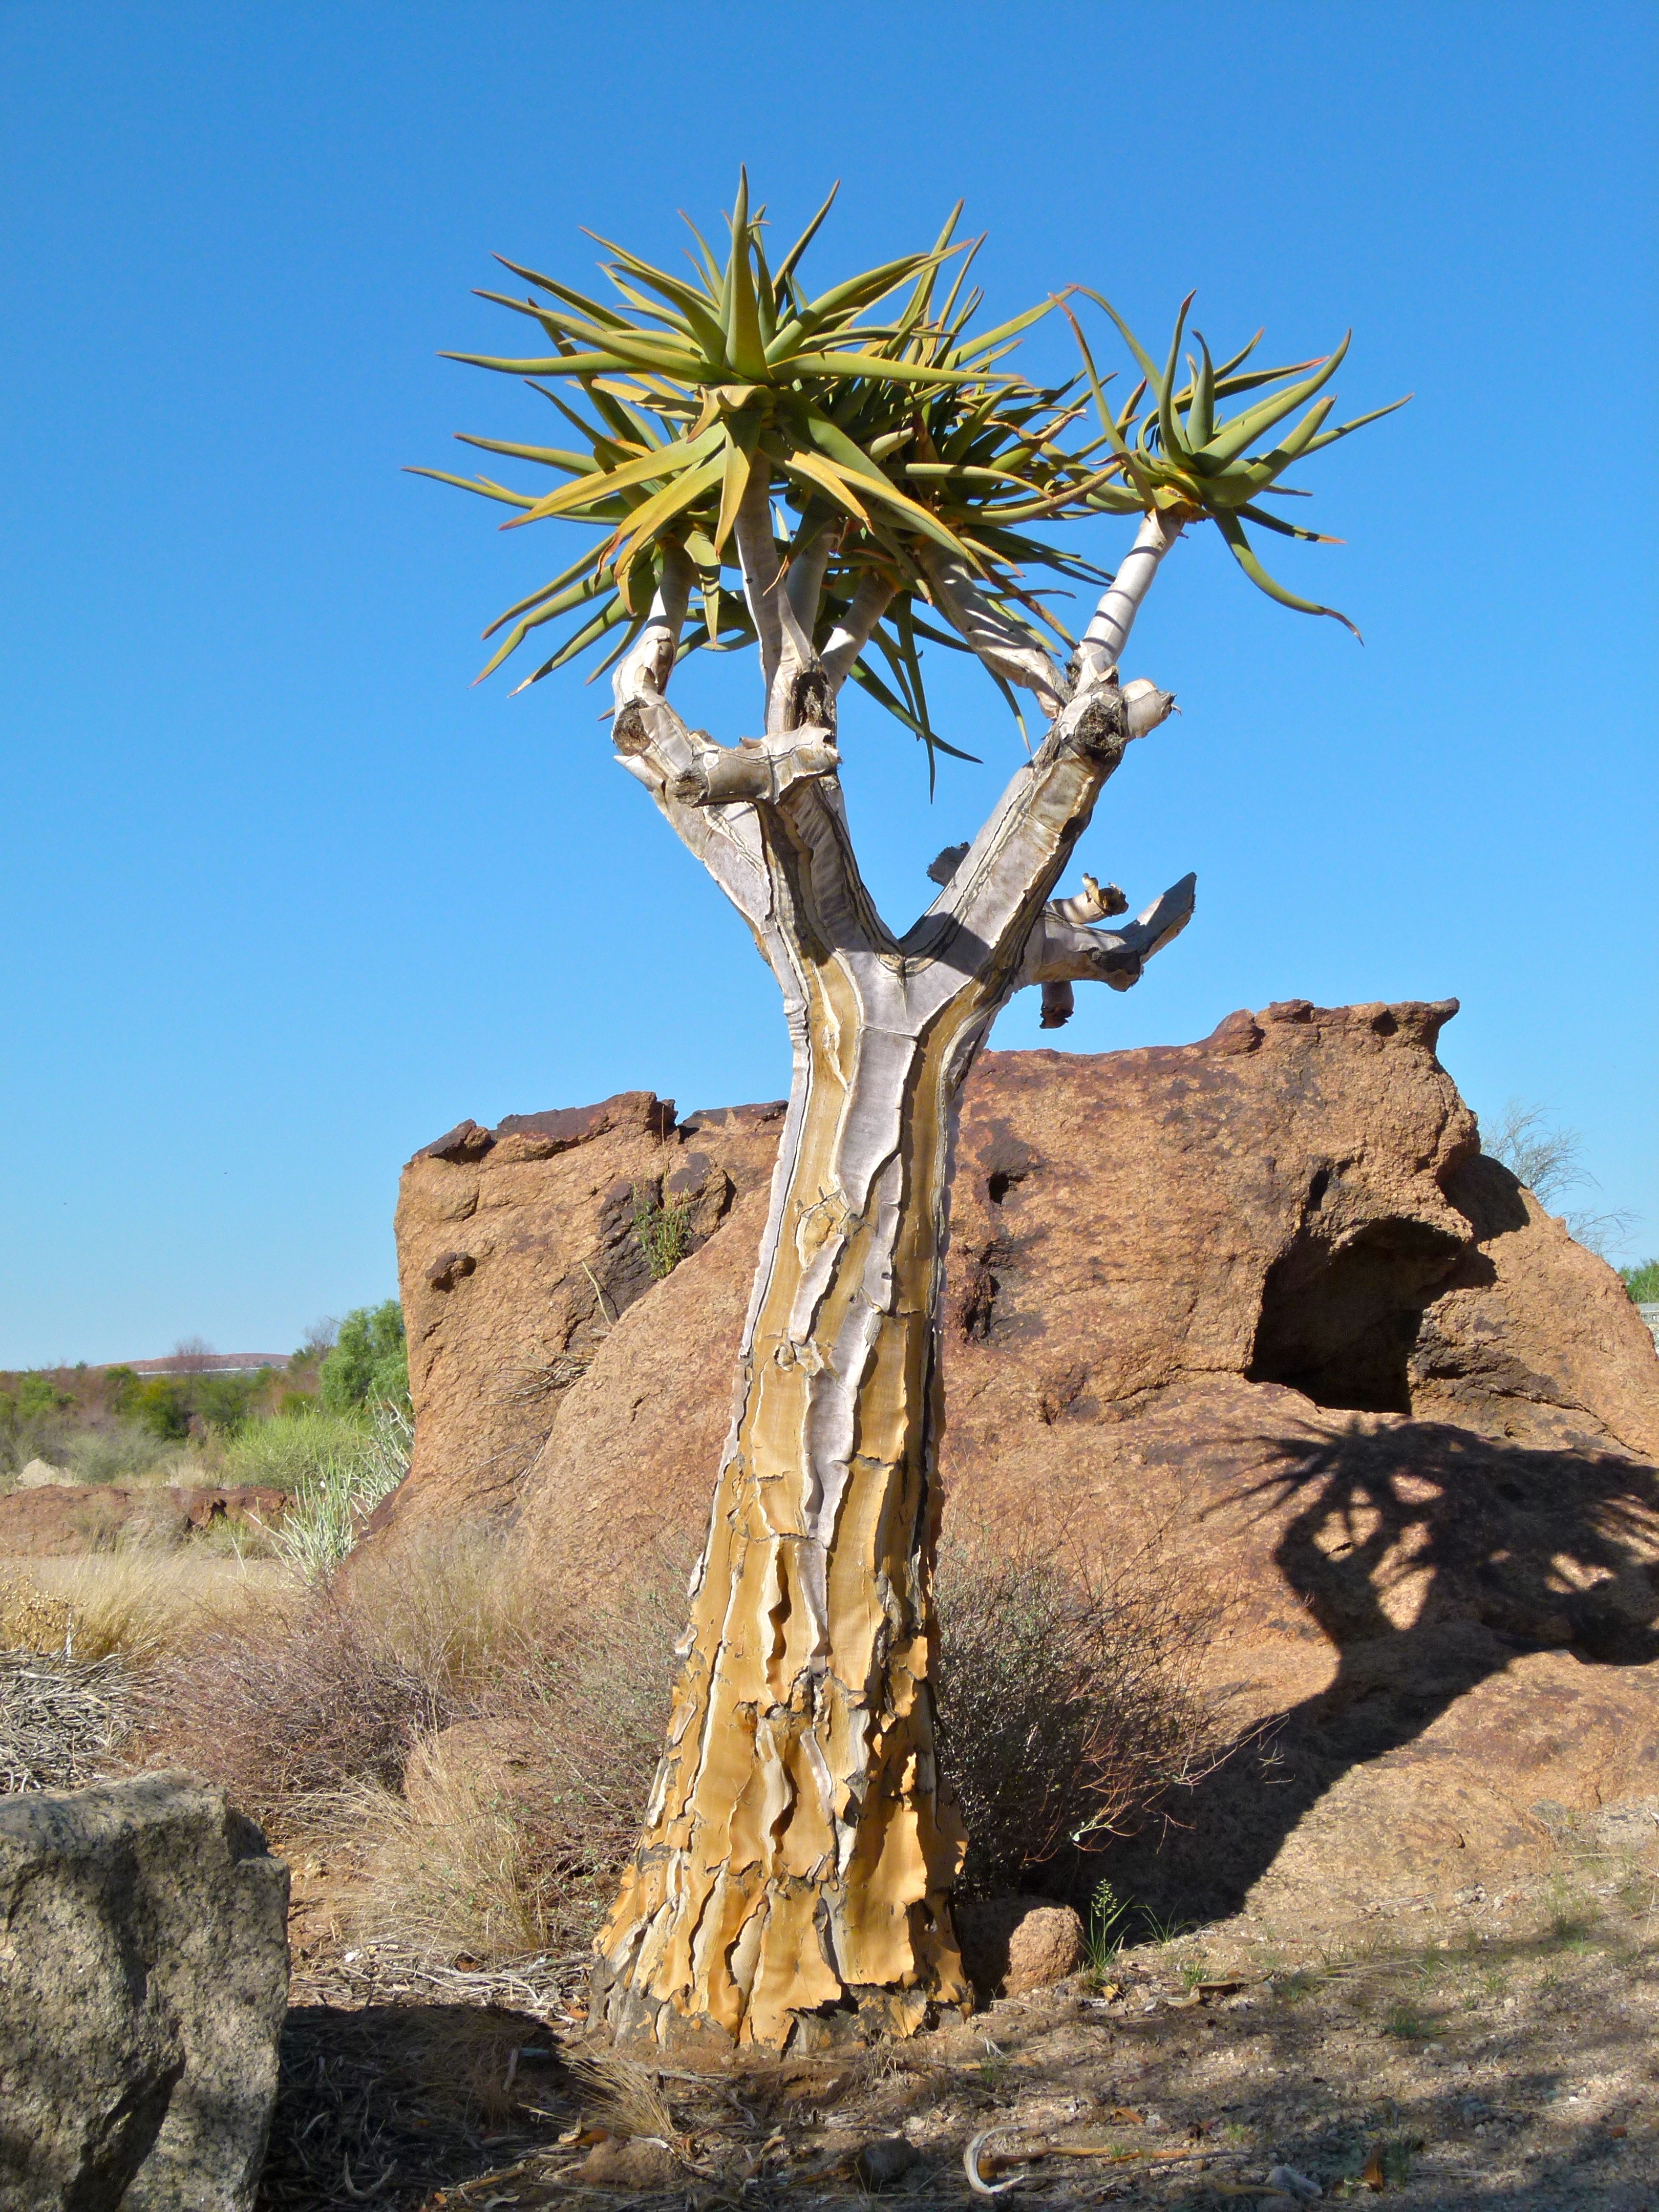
458, 1611
32, 1619
456, 1876
145, 1606
82, 1642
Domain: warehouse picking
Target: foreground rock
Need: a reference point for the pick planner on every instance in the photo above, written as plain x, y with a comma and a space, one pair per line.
143, 1980
1258, 1303
1013, 1944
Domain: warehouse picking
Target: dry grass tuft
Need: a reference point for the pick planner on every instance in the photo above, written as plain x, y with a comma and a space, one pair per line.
484, 1763
515, 1819
148, 1607
460, 1878
84, 1643
274, 1719
626, 2096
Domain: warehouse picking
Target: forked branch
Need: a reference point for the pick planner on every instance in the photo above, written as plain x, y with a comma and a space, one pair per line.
1060, 952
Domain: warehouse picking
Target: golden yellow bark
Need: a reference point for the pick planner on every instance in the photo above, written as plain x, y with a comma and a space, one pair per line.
798, 1858
798, 1855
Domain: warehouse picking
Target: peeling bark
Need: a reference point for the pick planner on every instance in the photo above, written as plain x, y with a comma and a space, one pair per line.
798, 1855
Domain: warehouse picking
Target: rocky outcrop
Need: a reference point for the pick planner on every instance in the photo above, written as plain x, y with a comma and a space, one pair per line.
1260, 1300
519, 1259
51, 1521
143, 1980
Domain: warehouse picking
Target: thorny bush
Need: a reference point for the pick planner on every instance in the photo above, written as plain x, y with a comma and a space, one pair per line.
1068, 1696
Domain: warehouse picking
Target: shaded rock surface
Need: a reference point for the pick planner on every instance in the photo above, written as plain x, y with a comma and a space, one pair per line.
143, 1980
1260, 1296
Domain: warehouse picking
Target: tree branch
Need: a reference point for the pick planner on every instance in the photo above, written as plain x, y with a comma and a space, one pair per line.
804, 578
1061, 952
1120, 603
870, 599
649, 661
1006, 647
994, 894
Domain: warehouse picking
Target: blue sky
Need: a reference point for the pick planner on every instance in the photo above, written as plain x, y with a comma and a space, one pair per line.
282, 897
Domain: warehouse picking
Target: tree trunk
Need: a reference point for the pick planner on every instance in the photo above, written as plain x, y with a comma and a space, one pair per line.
798, 1855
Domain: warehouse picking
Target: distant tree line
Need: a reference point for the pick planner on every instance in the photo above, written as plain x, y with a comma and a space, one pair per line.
365, 1364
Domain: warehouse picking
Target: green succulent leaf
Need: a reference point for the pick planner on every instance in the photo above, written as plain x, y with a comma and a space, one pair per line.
878, 415
1233, 530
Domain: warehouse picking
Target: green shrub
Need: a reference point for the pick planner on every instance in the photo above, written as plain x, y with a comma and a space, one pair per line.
38, 1393
1643, 1282
224, 1401
121, 1386
163, 1406
370, 1362
295, 1450
338, 1467
111, 1454
664, 1231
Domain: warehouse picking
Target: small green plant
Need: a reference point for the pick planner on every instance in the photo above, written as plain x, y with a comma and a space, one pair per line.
664, 1231
1406, 2020
1162, 1928
1195, 1970
1107, 1913
1396, 2159
1570, 1918
1638, 1893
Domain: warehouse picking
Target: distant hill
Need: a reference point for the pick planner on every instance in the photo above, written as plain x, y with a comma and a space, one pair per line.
206, 1363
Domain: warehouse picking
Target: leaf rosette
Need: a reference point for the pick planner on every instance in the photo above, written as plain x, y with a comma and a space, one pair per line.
881, 444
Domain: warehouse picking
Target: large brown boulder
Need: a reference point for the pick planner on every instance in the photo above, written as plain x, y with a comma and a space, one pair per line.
1259, 1298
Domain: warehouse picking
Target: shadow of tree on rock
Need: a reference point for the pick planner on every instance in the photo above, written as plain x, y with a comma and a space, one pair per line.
1432, 1559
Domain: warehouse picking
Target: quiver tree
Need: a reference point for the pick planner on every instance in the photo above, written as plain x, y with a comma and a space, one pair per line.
832, 490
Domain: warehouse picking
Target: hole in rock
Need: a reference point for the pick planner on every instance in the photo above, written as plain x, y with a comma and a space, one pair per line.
1340, 1326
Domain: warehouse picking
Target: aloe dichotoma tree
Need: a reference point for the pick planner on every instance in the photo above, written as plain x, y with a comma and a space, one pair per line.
831, 486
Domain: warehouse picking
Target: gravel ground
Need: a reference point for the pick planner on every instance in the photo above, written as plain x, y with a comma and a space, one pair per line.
1504, 2055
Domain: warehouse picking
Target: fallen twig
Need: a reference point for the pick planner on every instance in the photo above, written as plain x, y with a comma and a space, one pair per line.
973, 2167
